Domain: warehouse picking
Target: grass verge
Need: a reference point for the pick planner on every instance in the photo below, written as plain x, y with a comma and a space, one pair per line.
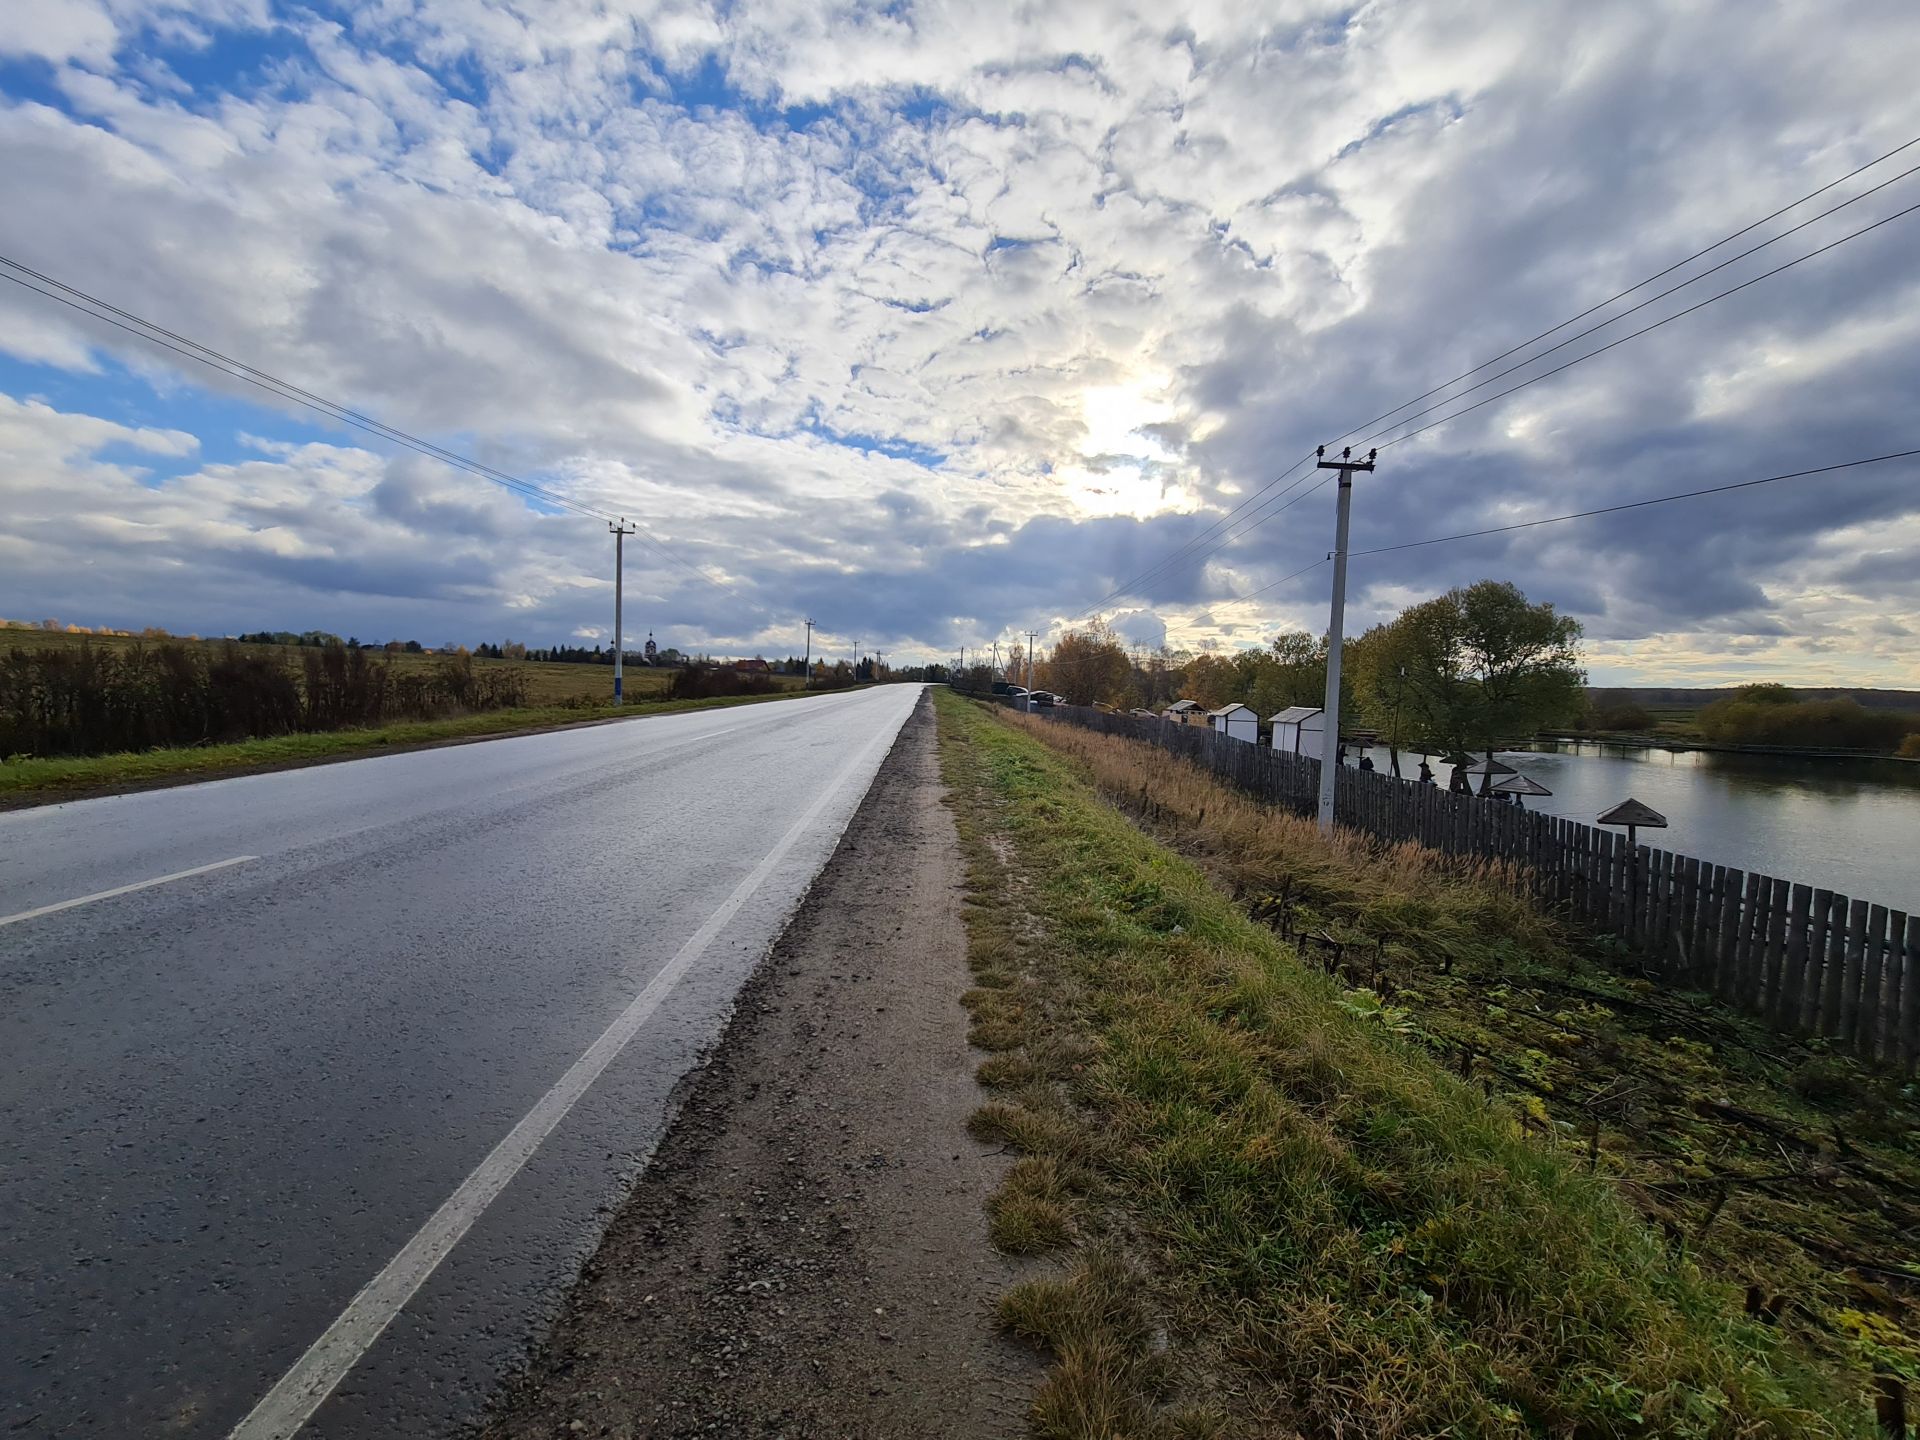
32, 780
1280, 1213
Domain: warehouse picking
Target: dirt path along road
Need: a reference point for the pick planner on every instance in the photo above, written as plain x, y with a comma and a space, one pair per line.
807, 1254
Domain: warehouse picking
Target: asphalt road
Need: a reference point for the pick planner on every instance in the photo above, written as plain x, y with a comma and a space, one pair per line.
326, 1131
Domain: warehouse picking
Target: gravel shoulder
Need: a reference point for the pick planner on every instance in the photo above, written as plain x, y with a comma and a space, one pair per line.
807, 1253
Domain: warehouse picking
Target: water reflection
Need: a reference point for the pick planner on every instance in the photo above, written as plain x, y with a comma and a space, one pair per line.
1847, 825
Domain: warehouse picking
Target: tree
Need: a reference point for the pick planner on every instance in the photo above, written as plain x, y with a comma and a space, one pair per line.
1483, 662
1292, 671
1377, 666
1090, 665
1212, 681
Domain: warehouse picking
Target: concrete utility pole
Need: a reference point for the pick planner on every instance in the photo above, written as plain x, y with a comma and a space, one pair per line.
1032, 635
806, 666
620, 531
1330, 738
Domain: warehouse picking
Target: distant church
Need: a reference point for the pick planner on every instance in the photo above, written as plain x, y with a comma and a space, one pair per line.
653, 651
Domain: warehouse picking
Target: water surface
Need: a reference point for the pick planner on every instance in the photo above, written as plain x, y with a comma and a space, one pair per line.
1846, 825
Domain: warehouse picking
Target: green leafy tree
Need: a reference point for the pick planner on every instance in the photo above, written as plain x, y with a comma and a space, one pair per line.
1482, 662
1376, 668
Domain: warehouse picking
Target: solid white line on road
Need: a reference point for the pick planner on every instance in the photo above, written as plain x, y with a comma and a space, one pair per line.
55, 909
299, 1392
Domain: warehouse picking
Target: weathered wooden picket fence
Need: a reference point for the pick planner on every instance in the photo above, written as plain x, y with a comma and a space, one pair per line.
1809, 960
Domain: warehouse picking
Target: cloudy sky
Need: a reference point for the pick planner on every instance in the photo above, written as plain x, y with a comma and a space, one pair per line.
940, 321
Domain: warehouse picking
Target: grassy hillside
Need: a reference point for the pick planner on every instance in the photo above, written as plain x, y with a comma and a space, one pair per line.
1438, 1173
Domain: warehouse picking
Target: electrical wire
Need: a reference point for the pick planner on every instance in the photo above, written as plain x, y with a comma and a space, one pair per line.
107, 313
1637, 504
1255, 523
1637, 285
1200, 546
1655, 299
1665, 320
1201, 540
1253, 594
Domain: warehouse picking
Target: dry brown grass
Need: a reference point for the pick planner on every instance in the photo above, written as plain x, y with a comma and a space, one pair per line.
1337, 1237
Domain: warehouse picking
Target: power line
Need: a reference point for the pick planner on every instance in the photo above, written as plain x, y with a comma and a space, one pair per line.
1655, 299
1199, 546
1202, 539
1256, 522
1665, 320
104, 311
1634, 504
1637, 285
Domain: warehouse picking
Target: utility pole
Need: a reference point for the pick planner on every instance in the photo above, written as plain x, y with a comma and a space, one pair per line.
620, 531
806, 666
1032, 635
1330, 738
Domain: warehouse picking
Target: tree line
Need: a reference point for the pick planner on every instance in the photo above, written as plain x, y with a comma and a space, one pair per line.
1460, 672
88, 700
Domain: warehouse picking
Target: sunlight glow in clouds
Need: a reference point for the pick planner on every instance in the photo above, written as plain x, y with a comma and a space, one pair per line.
936, 322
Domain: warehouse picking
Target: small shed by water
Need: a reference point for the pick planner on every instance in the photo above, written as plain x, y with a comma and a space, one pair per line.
1236, 721
1298, 728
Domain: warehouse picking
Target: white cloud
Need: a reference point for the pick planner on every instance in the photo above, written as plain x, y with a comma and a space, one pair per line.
1125, 265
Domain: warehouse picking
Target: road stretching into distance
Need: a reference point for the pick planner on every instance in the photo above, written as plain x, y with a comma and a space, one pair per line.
319, 1086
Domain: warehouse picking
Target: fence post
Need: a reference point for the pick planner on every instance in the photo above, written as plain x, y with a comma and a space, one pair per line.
1910, 996
1792, 990
1873, 960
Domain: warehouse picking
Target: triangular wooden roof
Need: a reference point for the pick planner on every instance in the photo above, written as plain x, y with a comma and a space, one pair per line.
1490, 766
1631, 812
1518, 784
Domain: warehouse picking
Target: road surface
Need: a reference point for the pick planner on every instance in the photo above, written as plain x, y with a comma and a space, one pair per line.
319, 1085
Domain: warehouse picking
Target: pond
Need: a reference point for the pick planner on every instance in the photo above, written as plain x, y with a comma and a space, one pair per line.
1847, 825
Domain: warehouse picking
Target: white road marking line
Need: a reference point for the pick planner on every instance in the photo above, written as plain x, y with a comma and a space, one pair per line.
55, 909
291, 1402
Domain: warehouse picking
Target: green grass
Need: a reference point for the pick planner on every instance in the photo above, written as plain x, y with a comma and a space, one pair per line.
30, 779
1336, 1235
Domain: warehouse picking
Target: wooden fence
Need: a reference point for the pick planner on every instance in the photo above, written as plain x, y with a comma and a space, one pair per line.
1810, 961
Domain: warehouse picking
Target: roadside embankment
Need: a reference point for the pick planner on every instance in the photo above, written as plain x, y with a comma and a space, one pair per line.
807, 1253
1364, 1177
32, 780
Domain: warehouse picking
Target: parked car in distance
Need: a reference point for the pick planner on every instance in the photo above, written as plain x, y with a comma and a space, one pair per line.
1045, 700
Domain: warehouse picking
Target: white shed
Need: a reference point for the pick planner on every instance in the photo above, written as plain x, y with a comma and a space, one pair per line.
1298, 728
1238, 722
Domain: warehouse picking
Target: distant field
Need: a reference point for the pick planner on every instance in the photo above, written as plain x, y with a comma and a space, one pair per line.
548, 683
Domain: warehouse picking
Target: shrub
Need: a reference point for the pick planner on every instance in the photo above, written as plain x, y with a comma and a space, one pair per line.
1843, 724
83, 701
703, 682
1625, 716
